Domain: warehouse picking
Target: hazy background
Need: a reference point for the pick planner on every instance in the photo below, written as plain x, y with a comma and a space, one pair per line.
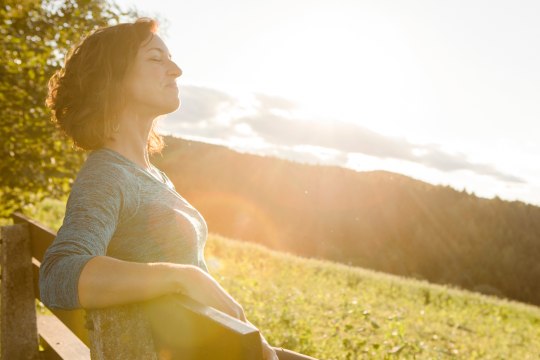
445, 92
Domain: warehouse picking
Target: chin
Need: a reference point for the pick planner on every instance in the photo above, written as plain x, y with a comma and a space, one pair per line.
176, 105
171, 106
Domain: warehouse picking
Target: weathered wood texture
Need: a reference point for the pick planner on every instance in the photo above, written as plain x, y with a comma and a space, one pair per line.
18, 320
120, 332
63, 344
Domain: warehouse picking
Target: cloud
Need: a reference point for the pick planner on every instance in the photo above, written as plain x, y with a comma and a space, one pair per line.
448, 162
302, 155
200, 103
274, 102
214, 114
345, 137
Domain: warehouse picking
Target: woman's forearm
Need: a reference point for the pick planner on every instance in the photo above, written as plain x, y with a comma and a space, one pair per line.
106, 281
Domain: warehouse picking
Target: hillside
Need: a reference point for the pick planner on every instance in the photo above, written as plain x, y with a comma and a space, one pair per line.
377, 220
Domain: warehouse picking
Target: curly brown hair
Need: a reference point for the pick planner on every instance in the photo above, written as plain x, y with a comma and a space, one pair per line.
86, 95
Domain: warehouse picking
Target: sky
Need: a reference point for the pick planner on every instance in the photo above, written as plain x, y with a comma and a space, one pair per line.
443, 91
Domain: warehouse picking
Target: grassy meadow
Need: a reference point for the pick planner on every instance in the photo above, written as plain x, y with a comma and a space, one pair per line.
332, 311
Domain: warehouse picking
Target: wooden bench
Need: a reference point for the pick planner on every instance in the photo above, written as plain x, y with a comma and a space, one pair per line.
117, 333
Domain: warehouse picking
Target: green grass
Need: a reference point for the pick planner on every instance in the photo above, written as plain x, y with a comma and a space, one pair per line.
332, 311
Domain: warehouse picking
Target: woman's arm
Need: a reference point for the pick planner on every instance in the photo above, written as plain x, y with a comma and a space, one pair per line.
106, 281
100, 198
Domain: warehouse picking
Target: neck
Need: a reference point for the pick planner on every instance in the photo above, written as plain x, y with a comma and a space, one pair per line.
131, 139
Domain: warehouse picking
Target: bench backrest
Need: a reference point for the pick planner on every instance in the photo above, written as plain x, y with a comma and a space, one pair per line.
68, 334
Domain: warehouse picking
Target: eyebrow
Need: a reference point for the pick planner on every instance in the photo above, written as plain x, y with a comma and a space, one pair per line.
160, 50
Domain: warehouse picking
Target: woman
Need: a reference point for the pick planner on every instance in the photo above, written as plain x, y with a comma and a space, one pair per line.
127, 235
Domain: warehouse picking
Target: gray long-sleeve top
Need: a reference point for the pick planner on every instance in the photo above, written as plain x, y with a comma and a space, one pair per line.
116, 208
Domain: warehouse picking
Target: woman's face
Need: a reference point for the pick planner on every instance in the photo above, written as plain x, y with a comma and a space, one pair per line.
151, 88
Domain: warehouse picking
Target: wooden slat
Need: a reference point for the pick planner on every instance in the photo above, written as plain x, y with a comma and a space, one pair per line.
206, 333
60, 339
18, 320
219, 318
40, 235
75, 320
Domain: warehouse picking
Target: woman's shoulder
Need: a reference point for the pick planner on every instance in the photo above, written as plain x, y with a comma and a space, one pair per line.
102, 167
104, 180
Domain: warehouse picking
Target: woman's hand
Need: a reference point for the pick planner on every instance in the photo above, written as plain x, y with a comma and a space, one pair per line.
200, 286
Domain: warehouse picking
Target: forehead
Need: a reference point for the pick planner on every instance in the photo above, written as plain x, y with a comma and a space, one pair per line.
155, 43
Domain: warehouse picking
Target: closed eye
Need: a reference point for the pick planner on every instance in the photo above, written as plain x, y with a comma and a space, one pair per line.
158, 54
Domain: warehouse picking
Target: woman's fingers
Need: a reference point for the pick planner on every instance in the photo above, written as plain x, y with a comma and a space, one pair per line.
208, 291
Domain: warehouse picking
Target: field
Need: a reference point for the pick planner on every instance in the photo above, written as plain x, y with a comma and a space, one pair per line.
332, 311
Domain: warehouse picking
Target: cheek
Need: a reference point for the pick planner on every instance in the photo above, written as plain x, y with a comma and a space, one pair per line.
142, 86
144, 77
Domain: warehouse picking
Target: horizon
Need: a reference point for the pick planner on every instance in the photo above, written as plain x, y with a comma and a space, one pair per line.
307, 162
445, 93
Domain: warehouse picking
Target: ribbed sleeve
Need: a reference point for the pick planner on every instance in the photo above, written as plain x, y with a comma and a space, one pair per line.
92, 214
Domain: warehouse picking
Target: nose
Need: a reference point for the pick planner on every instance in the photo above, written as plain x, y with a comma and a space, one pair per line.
175, 70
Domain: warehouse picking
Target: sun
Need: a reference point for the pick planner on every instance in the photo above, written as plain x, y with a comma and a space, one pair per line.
348, 67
